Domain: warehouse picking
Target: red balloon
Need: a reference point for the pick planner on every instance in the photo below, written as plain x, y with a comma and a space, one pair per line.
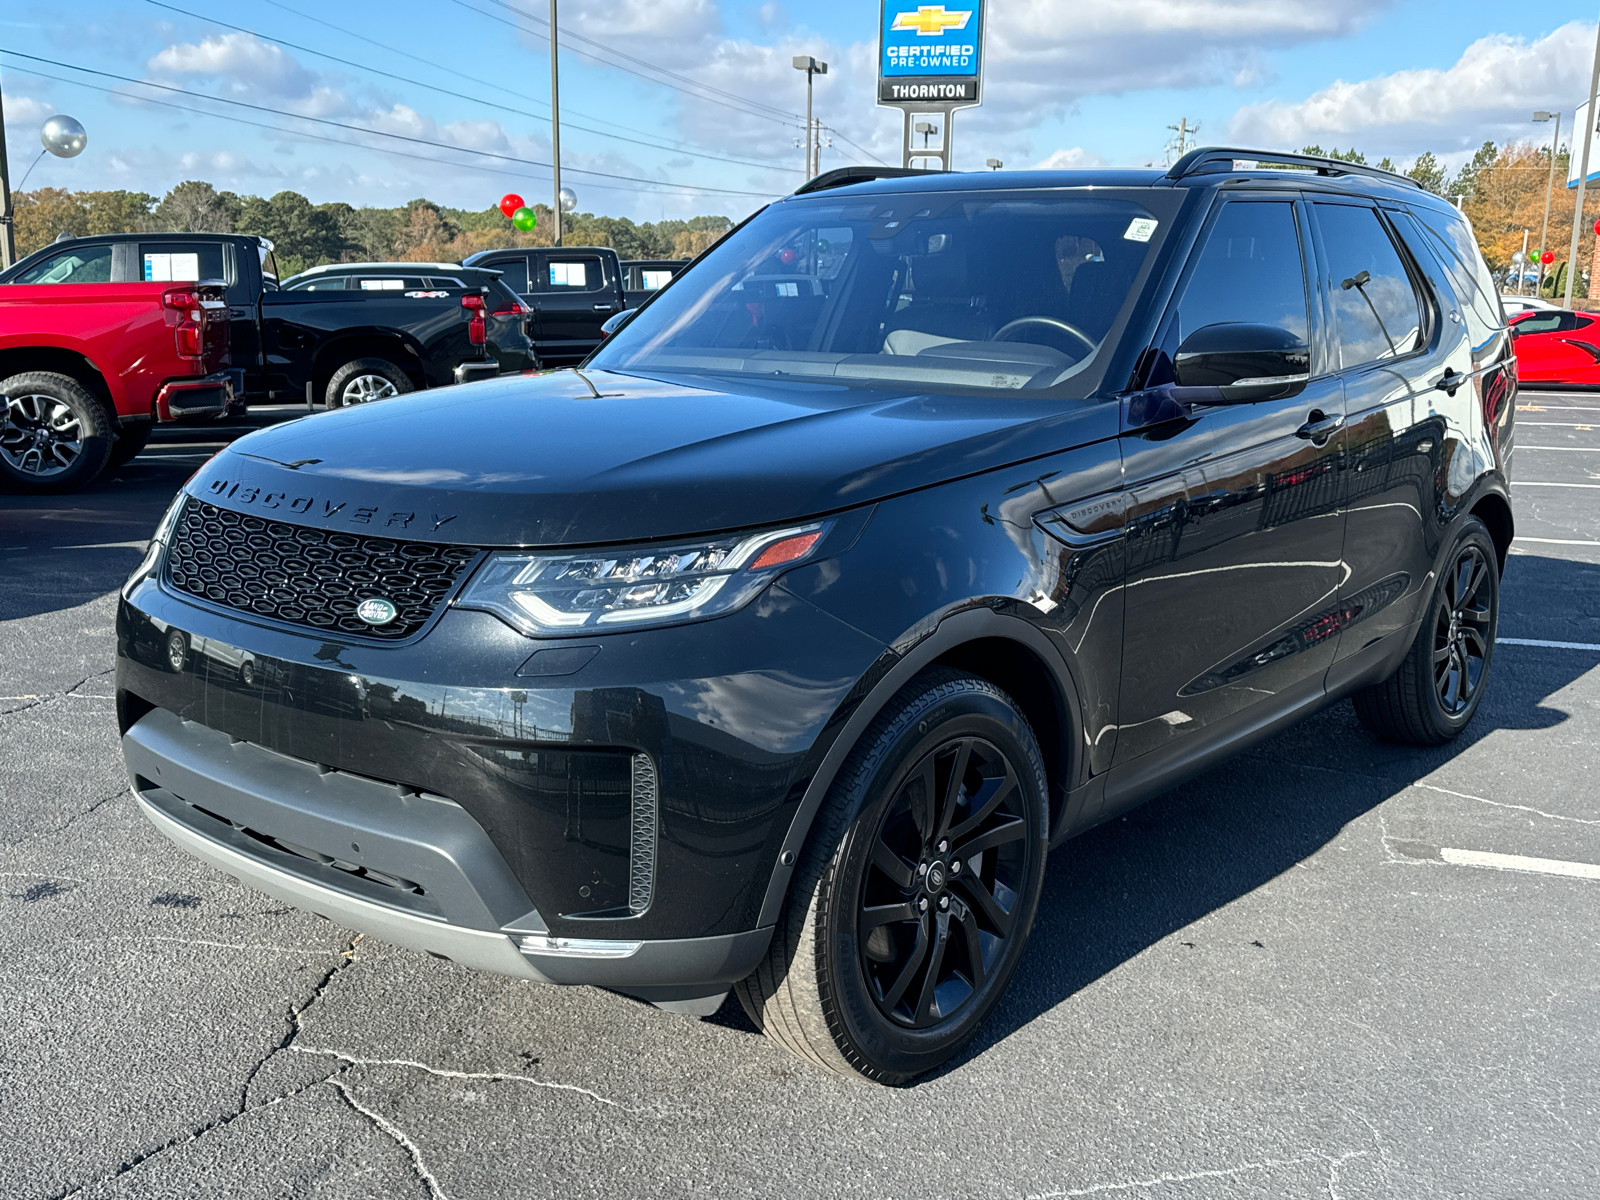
1597, 226
510, 202
787, 257
1548, 257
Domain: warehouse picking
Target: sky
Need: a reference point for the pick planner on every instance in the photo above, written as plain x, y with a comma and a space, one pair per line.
673, 108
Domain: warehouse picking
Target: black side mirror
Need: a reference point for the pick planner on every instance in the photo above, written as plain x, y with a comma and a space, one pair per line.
1245, 362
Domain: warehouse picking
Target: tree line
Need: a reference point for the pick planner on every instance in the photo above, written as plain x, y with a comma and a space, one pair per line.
307, 234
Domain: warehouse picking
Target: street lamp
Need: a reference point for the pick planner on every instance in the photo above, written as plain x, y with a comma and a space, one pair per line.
812, 68
927, 129
1550, 182
994, 164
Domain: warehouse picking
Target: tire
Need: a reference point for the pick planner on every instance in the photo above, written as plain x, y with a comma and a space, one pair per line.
55, 436
845, 1001
1433, 695
133, 438
364, 380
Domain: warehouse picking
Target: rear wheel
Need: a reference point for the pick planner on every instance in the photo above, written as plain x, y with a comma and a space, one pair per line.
1439, 686
364, 380
54, 434
915, 894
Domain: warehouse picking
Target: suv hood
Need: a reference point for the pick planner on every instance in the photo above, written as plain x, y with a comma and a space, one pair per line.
541, 461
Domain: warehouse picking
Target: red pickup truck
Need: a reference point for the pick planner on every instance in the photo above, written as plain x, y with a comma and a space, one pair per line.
87, 367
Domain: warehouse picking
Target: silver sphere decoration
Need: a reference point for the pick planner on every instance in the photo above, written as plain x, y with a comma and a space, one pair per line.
64, 136
569, 199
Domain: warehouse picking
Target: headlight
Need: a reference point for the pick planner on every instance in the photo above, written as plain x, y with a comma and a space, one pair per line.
556, 595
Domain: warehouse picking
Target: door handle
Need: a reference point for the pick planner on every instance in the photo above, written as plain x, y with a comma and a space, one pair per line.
1320, 427
604, 307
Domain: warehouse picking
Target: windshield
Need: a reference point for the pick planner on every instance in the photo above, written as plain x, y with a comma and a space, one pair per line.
990, 290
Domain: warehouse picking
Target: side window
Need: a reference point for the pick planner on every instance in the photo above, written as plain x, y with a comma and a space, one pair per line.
1451, 229
389, 283
1547, 322
1481, 310
513, 273
86, 264
573, 274
1251, 270
181, 262
323, 283
1376, 312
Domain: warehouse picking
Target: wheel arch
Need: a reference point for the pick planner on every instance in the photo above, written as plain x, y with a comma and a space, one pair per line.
1008, 652
1494, 510
349, 347
14, 360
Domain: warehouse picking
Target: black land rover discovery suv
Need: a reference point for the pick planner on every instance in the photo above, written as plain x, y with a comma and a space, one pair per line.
922, 524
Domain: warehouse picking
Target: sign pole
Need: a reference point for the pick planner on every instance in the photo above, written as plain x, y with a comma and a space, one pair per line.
555, 120
1583, 171
8, 244
930, 63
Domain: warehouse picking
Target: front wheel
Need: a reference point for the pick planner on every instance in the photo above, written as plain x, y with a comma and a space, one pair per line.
915, 894
1439, 686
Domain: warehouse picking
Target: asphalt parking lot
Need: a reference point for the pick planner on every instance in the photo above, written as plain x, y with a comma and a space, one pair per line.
1329, 968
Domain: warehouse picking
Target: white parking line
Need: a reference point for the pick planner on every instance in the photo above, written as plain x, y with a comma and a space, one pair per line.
1557, 541
1519, 862
1524, 483
1544, 645
1552, 425
1565, 449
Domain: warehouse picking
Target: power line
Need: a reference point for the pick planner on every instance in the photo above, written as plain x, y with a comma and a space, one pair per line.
672, 144
301, 133
476, 100
742, 107
602, 47
371, 132
857, 145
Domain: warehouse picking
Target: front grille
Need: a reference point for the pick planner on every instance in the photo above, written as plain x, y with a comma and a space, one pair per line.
310, 577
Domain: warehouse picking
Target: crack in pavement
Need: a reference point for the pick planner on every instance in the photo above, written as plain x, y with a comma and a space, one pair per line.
193, 1135
1166, 1178
435, 1192
1503, 804
38, 701
77, 816
446, 1073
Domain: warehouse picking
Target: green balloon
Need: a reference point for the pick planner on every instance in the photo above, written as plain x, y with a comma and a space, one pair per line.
524, 218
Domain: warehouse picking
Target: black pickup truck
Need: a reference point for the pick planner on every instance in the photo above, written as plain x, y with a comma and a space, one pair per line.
572, 290
339, 347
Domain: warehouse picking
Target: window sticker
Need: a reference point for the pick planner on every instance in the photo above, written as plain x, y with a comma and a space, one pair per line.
425, 295
1140, 229
383, 285
569, 275
654, 280
171, 268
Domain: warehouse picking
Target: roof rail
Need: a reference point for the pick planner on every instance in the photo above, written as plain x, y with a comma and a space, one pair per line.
1211, 159
844, 176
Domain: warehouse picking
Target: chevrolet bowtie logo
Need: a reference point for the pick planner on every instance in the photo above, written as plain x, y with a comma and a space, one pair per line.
931, 20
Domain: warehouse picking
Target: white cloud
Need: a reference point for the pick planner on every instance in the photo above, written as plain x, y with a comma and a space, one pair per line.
244, 61
23, 113
1487, 94
1074, 159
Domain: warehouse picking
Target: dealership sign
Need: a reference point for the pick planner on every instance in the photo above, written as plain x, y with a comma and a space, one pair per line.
931, 53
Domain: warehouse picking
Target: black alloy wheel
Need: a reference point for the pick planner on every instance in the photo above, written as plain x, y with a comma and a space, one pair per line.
1462, 629
939, 897
912, 901
1433, 694
55, 435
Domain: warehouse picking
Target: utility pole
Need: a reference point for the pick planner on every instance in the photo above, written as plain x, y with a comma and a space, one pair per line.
1549, 186
555, 120
1583, 171
812, 68
1183, 129
8, 243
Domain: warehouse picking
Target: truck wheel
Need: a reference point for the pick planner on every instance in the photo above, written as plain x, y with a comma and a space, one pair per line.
914, 896
54, 435
1433, 695
132, 439
364, 380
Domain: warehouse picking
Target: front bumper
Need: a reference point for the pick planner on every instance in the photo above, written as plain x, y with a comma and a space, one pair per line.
466, 793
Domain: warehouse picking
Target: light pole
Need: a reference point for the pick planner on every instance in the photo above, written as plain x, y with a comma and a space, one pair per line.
994, 164
812, 68
555, 120
1583, 172
927, 129
1550, 183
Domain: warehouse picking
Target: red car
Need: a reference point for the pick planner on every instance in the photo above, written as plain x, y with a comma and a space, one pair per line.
1557, 346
